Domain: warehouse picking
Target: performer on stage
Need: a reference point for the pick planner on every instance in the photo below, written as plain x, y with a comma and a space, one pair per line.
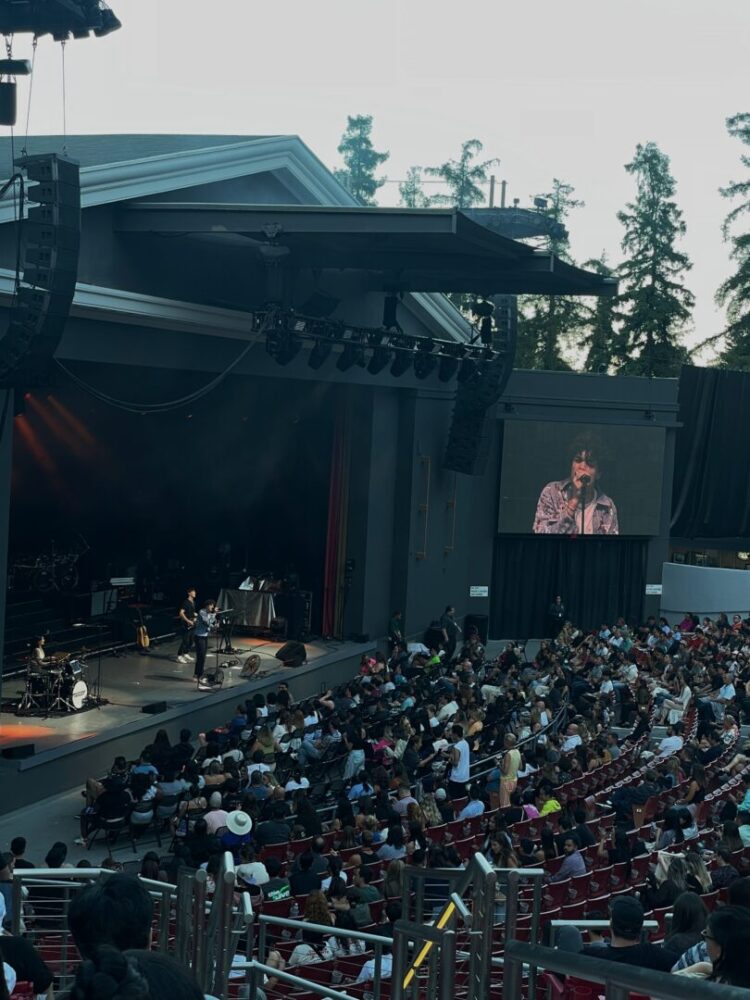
187, 622
576, 505
38, 655
204, 623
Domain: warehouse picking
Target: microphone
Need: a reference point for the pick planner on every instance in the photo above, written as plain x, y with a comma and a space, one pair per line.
585, 480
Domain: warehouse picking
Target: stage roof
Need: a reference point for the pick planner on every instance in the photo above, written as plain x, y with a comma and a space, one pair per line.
408, 250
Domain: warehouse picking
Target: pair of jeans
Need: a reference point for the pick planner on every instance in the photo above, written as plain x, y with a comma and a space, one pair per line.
201, 648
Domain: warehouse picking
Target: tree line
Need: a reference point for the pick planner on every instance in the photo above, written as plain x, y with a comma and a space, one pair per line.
640, 331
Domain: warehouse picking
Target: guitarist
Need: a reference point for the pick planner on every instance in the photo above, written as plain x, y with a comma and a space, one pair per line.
187, 615
205, 623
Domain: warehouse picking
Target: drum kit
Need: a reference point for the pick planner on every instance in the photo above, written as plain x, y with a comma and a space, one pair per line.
55, 685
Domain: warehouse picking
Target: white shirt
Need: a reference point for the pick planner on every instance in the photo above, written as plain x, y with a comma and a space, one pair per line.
460, 770
670, 745
293, 786
571, 742
447, 712
606, 687
367, 972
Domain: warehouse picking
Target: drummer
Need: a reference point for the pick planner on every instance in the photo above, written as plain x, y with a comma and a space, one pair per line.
38, 655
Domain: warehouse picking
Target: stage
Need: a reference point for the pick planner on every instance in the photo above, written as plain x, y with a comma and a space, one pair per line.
68, 748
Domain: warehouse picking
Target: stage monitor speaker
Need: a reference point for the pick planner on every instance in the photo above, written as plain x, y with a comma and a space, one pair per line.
155, 708
479, 622
292, 654
19, 751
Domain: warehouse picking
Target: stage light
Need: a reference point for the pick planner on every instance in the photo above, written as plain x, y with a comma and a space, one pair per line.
319, 354
381, 357
467, 370
283, 346
401, 363
448, 367
425, 362
390, 304
353, 354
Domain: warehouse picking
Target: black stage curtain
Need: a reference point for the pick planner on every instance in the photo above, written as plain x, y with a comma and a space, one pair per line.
599, 579
711, 489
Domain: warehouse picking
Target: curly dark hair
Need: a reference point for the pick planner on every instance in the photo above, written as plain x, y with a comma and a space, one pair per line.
133, 975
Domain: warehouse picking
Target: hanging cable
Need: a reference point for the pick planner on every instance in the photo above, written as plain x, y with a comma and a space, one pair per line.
24, 151
172, 404
64, 104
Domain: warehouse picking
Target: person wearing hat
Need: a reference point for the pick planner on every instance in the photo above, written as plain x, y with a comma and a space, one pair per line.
238, 831
625, 945
252, 872
216, 817
445, 806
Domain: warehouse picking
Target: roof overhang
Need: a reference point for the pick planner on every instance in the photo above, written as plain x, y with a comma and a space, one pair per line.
401, 250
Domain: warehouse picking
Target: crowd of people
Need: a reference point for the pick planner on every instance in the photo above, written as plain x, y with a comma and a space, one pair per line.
324, 801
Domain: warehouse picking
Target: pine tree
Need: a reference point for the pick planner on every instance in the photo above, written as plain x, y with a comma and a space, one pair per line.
411, 190
463, 177
657, 306
734, 293
602, 337
549, 324
361, 160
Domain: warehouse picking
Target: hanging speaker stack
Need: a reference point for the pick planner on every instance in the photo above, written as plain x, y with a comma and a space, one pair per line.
51, 235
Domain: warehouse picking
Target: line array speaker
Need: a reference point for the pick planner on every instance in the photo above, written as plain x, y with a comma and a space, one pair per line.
51, 242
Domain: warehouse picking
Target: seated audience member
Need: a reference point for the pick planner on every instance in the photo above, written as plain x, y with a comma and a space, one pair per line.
20, 954
133, 975
277, 887
117, 912
303, 880
573, 863
626, 917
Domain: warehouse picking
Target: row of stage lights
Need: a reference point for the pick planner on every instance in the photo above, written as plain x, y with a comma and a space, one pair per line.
374, 350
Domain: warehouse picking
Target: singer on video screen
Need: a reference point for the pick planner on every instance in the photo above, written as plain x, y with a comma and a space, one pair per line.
576, 505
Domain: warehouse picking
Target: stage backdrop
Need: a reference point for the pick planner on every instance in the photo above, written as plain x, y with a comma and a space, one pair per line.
536, 473
599, 579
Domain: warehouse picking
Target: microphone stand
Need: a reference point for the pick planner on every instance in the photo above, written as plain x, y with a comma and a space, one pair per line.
96, 695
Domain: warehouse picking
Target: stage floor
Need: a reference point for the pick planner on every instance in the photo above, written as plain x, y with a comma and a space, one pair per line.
131, 681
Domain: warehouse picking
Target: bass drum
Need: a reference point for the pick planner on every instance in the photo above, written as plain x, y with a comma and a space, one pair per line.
76, 692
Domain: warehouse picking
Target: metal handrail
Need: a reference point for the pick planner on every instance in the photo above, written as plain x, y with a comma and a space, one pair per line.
377, 940
619, 979
256, 969
551, 727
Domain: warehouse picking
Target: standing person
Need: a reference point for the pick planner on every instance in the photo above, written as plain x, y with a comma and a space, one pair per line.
395, 630
509, 766
460, 758
556, 616
449, 629
205, 621
187, 616
575, 505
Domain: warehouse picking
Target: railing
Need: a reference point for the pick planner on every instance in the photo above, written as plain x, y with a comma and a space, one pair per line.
376, 940
618, 979
481, 767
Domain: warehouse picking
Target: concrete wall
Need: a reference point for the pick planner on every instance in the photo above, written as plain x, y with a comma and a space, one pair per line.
703, 590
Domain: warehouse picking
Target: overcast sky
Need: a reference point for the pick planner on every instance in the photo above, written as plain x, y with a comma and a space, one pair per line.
552, 89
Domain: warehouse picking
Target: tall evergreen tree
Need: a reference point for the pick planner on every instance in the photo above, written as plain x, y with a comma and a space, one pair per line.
463, 177
657, 306
548, 324
734, 293
411, 190
361, 159
602, 336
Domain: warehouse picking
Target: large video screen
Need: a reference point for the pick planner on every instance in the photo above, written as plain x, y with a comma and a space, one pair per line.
580, 479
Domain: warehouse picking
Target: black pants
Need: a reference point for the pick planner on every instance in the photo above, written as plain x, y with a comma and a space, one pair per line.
456, 789
187, 635
201, 647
